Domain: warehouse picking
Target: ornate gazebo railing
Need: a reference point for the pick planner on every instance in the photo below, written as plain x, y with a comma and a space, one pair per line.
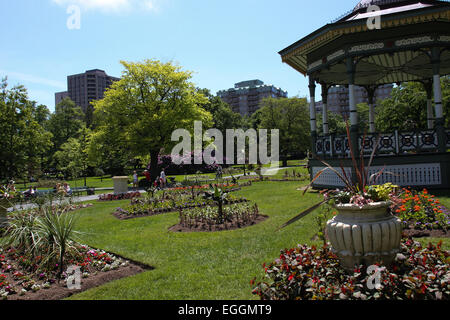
389, 144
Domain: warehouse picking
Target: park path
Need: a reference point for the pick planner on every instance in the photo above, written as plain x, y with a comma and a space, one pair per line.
94, 197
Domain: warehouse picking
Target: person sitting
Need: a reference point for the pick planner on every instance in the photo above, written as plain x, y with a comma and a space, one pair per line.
67, 189
29, 193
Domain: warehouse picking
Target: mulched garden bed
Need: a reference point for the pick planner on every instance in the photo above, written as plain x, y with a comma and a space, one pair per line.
228, 225
414, 233
411, 231
122, 214
60, 291
234, 216
99, 267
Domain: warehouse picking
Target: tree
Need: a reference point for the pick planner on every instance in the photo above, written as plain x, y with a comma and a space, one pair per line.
290, 116
223, 117
336, 124
23, 141
150, 101
406, 109
109, 151
41, 114
65, 122
73, 157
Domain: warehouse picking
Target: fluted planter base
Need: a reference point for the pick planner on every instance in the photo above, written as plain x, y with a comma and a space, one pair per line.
364, 235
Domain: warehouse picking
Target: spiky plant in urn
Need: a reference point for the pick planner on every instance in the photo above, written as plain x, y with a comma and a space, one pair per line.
364, 231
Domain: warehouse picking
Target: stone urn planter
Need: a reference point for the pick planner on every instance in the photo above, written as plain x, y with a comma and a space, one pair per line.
364, 235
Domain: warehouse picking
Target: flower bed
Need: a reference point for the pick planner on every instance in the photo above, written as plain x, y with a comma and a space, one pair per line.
228, 187
23, 278
207, 219
421, 214
310, 273
145, 209
122, 196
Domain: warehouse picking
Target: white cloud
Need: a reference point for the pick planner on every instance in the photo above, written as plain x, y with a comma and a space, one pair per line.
114, 6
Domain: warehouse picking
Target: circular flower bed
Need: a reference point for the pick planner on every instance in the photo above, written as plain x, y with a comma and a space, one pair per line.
310, 273
207, 219
167, 202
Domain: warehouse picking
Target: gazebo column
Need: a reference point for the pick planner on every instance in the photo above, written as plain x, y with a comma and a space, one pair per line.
428, 85
371, 97
326, 129
439, 122
312, 113
354, 129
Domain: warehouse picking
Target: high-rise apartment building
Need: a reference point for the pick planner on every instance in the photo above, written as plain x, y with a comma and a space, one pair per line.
245, 98
338, 98
86, 87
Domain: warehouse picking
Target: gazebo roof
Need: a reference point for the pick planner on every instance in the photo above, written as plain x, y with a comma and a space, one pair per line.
394, 53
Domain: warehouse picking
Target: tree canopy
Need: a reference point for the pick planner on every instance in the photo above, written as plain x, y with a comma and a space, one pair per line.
291, 117
150, 101
406, 109
23, 140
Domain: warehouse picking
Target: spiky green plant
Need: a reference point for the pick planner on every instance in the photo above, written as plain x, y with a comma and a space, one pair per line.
23, 233
218, 196
58, 233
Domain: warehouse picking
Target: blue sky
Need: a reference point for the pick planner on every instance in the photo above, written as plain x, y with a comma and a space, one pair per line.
222, 42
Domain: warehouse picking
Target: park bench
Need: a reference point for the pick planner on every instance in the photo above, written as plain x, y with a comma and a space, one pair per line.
78, 191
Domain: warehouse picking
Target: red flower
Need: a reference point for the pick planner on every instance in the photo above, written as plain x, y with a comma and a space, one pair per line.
291, 277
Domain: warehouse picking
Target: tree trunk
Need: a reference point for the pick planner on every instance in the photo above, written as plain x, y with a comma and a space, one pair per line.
154, 170
285, 161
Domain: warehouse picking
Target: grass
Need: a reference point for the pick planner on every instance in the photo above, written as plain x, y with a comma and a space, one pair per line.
196, 265
193, 266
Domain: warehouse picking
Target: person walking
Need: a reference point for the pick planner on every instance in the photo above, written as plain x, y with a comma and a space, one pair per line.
162, 178
135, 180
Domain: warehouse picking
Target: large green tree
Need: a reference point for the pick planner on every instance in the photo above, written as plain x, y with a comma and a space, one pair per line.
65, 122
291, 117
406, 109
73, 157
150, 101
23, 140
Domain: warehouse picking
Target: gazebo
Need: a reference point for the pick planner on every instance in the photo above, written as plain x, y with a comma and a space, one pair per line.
410, 43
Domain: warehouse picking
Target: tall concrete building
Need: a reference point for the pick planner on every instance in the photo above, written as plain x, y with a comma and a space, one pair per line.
338, 98
86, 87
245, 98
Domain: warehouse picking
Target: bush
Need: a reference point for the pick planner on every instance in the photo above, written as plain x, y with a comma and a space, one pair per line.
309, 273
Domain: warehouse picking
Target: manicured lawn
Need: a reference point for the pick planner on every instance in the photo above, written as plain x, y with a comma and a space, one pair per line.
200, 265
